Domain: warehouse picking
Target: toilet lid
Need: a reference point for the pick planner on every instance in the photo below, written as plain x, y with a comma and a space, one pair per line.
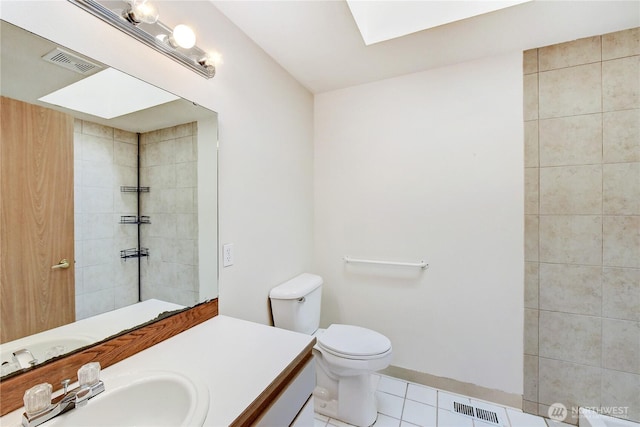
353, 341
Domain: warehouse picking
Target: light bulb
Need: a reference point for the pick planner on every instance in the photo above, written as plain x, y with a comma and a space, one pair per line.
183, 36
148, 12
211, 59
142, 11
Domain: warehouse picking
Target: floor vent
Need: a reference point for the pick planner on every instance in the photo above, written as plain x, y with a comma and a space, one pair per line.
463, 409
70, 61
477, 413
485, 415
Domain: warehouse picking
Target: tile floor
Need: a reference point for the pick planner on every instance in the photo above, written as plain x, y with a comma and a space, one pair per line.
406, 404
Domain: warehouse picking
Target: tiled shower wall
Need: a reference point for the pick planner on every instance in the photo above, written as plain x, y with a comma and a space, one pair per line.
104, 159
169, 166
582, 225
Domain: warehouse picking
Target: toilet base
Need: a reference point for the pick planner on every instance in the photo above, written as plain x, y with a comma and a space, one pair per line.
349, 399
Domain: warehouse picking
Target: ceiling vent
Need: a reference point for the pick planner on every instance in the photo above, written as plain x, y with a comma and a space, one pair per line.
70, 61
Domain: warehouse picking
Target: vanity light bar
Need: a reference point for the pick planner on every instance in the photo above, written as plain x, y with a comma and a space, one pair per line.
193, 58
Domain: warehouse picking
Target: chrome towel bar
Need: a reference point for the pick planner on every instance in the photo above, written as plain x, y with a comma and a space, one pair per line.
422, 264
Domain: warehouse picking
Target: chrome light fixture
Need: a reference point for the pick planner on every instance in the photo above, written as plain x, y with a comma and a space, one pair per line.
139, 19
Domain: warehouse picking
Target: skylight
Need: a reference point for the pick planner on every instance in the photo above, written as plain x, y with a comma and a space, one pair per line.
108, 94
384, 20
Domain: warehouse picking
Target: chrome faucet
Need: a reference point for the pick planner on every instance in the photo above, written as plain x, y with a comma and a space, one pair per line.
39, 411
24, 358
20, 359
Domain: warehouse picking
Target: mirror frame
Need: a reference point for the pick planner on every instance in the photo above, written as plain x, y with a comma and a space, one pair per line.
107, 352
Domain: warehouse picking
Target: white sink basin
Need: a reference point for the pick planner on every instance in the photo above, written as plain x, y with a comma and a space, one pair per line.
150, 398
44, 348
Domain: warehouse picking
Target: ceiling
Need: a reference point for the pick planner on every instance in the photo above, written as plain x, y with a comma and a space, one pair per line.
320, 45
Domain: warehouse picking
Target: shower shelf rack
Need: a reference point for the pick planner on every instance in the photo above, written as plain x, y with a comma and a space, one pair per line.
129, 189
134, 219
134, 253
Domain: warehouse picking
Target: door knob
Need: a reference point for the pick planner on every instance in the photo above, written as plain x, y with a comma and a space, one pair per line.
64, 263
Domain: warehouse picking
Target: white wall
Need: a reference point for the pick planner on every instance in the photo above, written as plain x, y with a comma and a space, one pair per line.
428, 166
265, 127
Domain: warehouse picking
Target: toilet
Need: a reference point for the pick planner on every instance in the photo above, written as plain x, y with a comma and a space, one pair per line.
345, 355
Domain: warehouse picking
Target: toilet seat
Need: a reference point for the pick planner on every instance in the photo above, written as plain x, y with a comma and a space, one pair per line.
354, 342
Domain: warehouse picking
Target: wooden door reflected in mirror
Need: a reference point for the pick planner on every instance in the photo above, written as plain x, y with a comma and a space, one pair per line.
37, 218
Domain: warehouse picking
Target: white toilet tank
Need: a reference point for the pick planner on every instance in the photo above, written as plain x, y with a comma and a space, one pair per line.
295, 304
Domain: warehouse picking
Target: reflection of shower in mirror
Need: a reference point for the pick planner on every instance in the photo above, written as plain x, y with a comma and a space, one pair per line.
161, 259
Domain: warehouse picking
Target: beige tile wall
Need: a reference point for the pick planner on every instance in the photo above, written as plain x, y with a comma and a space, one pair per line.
169, 167
582, 224
105, 159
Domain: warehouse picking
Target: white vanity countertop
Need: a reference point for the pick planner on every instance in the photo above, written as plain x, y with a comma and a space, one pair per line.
101, 326
85, 331
113, 322
237, 360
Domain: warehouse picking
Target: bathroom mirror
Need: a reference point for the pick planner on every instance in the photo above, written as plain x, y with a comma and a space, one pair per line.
145, 211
